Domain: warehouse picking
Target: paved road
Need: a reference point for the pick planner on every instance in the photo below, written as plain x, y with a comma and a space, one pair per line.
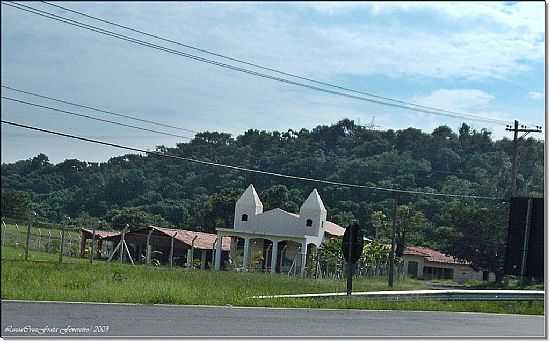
164, 320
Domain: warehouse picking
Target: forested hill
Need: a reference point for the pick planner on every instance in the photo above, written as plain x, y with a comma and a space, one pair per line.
152, 189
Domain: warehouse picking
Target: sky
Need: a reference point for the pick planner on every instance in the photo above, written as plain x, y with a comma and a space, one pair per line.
484, 58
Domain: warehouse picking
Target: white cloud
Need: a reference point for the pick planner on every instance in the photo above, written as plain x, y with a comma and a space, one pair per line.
63, 61
482, 40
467, 101
535, 95
456, 99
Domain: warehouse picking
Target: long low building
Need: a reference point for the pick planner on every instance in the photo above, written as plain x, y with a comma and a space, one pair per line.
428, 264
201, 245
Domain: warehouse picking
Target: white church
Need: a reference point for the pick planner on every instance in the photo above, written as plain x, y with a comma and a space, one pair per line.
282, 239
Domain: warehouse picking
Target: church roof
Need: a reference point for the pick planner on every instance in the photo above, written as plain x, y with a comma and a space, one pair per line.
313, 202
250, 196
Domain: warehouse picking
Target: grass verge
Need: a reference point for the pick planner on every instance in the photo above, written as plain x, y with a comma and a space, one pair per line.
41, 278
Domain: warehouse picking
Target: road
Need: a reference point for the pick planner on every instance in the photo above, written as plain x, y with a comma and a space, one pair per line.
79, 319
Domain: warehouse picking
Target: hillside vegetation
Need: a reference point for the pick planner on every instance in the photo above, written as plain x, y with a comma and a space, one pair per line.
149, 189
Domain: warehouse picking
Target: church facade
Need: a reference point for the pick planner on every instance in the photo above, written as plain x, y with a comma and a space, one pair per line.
280, 237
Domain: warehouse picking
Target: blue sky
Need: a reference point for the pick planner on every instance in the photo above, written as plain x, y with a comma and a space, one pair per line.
481, 58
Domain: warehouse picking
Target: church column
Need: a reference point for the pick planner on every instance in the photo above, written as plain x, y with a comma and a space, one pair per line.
303, 258
246, 253
274, 249
218, 256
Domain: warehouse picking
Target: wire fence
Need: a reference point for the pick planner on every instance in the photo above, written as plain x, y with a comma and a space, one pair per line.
48, 239
337, 270
41, 239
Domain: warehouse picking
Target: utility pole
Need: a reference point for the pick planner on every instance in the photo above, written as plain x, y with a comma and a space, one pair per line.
516, 129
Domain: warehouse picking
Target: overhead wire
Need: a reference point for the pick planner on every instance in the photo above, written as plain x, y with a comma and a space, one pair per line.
77, 114
232, 67
98, 109
254, 64
244, 169
95, 118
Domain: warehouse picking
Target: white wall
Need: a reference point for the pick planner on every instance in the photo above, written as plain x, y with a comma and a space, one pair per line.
461, 273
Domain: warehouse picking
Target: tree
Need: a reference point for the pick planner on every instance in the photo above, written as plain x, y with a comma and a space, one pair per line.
411, 224
15, 204
134, 217
480, 234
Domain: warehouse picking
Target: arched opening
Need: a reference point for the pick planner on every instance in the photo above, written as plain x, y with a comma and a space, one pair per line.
244, 217
260, 254
288, 256
309, 223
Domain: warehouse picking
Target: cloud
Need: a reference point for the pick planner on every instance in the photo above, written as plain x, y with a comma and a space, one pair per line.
535, 95
435, 39
413, 56
456, 99
468, 101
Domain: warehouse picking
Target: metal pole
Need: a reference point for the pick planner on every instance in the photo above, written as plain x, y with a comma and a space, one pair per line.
394, 231
49, 241
526, 242
349, 264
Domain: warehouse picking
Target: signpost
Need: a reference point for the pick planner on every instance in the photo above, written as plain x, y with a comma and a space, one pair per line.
352, 247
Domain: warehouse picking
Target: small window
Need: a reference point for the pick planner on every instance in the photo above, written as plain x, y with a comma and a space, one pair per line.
309, 223
322, 224
244, 217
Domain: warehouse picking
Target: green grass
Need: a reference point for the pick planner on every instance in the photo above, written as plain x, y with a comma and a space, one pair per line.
13, 254
512, 284
42, 278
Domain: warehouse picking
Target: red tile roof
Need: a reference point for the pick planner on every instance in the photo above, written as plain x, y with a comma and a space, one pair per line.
203, 240
101, 234
334, 229
433, 255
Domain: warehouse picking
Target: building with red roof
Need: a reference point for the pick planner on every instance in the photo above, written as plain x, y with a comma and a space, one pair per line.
426, 263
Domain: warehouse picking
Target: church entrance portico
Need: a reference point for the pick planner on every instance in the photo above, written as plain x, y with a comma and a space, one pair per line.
276, 240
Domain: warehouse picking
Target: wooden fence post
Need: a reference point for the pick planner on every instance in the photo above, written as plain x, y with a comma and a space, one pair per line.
93, 243
49, 241
148, 251
28, 235
70, 243
3, 232
172, 249
122, 243
62, 241
17, 236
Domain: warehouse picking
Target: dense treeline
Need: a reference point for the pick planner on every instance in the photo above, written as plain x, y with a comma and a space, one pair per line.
150, 189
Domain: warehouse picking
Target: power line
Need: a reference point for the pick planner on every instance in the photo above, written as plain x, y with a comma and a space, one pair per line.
239, 168
98, 110
243, 70
254, 64
96, 136
95, 118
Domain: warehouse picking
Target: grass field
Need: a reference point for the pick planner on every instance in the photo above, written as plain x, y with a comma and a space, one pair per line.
42, 278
